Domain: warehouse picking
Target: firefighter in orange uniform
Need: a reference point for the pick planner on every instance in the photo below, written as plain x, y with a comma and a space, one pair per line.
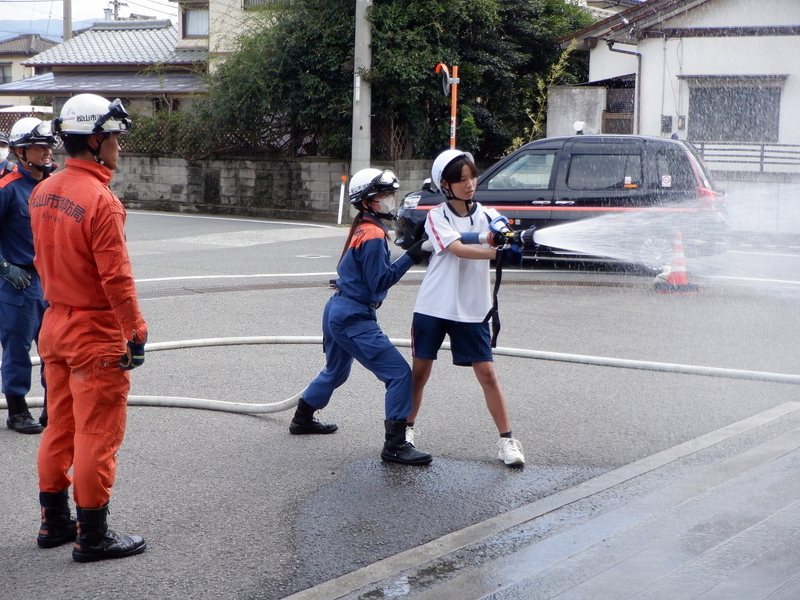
92, 334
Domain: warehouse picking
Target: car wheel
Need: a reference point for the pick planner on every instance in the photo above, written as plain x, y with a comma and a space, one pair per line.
655, 252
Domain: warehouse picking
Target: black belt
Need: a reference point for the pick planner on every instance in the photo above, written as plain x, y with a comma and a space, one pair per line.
375, 305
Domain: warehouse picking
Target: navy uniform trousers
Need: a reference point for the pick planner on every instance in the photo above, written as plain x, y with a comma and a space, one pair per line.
350, 331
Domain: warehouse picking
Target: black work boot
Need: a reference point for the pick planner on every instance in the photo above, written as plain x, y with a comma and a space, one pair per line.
97, 542
58, 527
19, 417
43, 415
304, 421
397, 450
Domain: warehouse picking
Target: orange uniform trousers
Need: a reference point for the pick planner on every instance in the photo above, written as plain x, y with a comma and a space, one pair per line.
86, 402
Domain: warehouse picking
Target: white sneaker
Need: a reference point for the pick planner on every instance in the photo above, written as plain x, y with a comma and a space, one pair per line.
410, 435
510, 451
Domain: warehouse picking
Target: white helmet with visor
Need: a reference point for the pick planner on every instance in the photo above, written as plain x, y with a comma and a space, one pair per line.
86, 114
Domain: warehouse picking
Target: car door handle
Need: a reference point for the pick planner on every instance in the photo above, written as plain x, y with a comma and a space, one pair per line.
565, 202
540, 202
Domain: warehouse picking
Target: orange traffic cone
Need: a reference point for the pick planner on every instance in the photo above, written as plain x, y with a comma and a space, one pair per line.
677, 282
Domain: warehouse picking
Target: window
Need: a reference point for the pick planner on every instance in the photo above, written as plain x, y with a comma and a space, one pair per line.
5, 73
529, 172
166, 104
253, 3
604, 172
195, 22
674, 171
735, 109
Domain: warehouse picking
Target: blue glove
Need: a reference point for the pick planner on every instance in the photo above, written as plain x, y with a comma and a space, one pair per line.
17, 277
498, 228
134, 357
511, 255
499, 225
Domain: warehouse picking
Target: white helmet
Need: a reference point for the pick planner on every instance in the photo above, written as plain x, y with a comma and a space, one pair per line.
440, 164
31, 131
368, 183
86, 114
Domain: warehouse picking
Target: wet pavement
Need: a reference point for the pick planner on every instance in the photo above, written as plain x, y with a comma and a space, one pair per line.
232, 506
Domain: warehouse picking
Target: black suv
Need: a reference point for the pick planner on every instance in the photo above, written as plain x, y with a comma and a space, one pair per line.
646, 188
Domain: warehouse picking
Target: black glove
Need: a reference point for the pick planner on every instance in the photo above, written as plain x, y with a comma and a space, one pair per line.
417, 253
17, 277
134, 357
511, 255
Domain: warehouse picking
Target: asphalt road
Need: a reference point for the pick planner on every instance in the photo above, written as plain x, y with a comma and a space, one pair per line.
232, 506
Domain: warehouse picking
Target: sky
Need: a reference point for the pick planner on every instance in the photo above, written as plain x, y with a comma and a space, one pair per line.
28, 10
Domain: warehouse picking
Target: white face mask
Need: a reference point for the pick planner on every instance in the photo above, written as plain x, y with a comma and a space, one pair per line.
386, 205
3, 154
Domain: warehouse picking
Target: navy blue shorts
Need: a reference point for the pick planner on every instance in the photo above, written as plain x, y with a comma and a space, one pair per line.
469, 342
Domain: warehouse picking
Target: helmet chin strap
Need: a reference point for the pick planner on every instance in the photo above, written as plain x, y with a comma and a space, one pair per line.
380, 215
451, 196
96, 152
45, 170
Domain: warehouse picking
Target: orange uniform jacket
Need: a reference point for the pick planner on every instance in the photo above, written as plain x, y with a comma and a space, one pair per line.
79, 238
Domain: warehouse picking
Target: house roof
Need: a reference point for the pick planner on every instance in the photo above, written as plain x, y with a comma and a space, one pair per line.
121, 43
28, 45
627, 26
127, 84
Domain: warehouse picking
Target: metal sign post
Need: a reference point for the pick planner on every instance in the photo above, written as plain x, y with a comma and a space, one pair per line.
450, 84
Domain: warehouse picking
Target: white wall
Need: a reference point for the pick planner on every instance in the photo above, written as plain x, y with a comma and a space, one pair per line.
663, 61
226, 21
740, 13
605, 64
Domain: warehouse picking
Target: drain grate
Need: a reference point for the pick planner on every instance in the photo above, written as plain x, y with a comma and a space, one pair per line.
410, 281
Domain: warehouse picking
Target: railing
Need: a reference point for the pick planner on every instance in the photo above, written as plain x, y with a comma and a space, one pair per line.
756, 157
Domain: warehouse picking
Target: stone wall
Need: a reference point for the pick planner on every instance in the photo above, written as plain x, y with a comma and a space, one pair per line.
304, 188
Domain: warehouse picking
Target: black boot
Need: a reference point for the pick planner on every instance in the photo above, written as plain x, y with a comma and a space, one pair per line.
397, 450
19, 417
304, 421
58, 527
43, 415
97, 542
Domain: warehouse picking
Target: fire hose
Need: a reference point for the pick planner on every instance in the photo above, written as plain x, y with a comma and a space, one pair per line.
289, 403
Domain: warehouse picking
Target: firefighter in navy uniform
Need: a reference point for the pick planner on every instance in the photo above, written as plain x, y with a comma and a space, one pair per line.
349, 322
93, 332
21, 303
5, 164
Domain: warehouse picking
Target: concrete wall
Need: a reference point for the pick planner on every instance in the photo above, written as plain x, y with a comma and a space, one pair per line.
305, 188
762, 204
567, 104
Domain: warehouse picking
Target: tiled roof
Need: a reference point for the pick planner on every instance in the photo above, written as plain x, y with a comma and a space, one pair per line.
28, 44
124, 84
120, 43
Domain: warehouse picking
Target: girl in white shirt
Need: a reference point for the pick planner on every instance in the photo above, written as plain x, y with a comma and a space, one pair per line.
455, 295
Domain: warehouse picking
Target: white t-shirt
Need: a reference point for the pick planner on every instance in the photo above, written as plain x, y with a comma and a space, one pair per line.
456, 289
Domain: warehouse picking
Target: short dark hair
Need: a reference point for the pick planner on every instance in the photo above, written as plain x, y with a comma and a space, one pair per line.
76, 144
452, 172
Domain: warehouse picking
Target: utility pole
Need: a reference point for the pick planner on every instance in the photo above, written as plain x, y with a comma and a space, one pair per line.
362, 93
116, 4
67, 21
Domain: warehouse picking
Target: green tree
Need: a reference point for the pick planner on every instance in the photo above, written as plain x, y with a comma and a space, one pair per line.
288, 86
